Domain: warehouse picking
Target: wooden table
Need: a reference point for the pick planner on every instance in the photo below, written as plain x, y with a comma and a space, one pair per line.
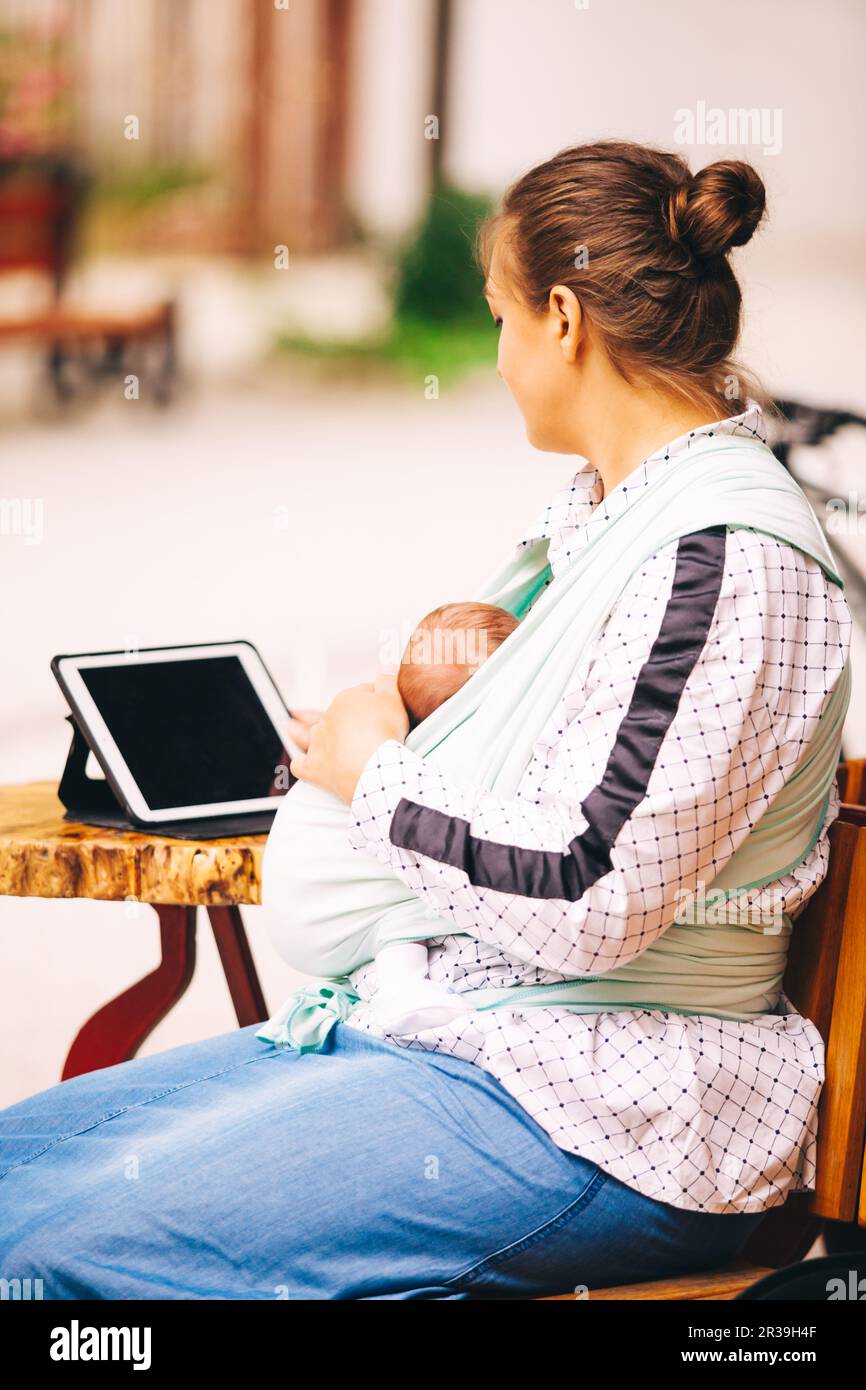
44, 856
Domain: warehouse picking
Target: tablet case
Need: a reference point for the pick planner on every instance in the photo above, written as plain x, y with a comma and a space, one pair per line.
93, 801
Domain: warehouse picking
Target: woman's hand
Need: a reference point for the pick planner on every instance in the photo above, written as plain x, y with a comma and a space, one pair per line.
300, 724
352, 727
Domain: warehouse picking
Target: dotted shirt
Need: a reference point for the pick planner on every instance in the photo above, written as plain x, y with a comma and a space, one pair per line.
704, 1113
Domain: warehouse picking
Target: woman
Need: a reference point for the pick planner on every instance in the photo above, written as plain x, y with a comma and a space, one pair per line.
533, 1150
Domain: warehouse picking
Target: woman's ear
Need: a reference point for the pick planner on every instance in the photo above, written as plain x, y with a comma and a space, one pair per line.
567, 318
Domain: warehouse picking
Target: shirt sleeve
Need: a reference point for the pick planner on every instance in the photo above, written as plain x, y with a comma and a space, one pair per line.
675, 738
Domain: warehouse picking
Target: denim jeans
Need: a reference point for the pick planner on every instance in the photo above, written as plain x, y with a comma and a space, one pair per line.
230, 1168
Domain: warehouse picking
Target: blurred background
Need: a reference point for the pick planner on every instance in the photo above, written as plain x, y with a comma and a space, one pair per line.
247, 378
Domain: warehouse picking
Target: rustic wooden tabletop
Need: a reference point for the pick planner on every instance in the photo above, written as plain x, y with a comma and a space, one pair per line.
44, 856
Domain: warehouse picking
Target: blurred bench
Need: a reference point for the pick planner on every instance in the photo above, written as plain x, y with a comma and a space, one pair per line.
40, 209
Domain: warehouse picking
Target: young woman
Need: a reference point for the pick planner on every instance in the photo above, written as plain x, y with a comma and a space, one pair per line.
526, 1151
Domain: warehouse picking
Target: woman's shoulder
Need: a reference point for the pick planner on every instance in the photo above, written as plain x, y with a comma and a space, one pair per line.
780, 580
766, 591
751, 563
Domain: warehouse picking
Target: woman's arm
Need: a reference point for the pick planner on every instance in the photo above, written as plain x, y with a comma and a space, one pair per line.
694, 711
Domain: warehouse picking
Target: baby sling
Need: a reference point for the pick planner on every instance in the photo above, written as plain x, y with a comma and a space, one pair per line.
709, 960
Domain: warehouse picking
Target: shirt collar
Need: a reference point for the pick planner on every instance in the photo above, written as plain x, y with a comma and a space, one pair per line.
574, 512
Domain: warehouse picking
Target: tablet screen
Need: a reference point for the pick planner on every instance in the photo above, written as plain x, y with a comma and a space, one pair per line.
215, 740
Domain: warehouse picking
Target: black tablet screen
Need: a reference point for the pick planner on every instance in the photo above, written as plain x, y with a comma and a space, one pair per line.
191, 732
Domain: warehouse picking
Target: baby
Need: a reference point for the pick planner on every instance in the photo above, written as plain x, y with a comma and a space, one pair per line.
445, 649
328, 913
447, 646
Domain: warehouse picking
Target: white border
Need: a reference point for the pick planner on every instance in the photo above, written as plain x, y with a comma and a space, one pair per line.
70, 667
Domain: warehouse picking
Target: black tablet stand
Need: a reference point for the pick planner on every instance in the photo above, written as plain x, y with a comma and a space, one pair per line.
91, 801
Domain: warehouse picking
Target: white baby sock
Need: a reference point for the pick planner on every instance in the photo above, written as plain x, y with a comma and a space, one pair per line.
400, 962
406, 1000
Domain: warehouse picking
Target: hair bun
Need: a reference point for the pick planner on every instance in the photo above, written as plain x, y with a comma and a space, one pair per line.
718, 208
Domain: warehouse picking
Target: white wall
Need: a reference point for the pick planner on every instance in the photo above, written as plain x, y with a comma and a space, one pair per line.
532, 76
388, 102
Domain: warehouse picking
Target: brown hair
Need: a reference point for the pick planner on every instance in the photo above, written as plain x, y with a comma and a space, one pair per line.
434, 667
644, 245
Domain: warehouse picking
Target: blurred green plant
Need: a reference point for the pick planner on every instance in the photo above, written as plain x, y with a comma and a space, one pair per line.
150, 183
437, 277
413, 347
441, 324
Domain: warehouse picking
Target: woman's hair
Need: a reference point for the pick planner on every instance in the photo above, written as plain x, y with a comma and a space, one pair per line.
644, 244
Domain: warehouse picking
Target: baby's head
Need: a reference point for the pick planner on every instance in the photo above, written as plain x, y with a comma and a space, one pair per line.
447, 646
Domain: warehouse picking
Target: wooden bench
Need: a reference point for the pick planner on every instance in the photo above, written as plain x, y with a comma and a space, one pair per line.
825, 979
852, 781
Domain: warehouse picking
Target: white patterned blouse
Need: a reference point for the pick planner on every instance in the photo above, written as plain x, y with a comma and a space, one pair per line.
703, 1113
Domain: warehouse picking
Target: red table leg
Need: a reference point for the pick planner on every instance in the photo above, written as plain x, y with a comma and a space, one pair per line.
117, 1030
238, 965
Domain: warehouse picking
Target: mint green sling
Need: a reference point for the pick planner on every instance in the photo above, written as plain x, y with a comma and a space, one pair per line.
715, 958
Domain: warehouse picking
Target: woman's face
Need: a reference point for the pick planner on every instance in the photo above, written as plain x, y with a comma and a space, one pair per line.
537, 357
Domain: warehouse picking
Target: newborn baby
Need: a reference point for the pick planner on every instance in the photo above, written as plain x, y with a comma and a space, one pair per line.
330, 916
444, 650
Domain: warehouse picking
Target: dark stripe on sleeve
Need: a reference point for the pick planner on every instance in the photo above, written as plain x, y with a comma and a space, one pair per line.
535, 873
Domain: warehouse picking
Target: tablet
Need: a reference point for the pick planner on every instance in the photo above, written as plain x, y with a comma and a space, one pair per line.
182, 732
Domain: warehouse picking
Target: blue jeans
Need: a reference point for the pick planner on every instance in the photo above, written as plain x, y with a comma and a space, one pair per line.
231, 1168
